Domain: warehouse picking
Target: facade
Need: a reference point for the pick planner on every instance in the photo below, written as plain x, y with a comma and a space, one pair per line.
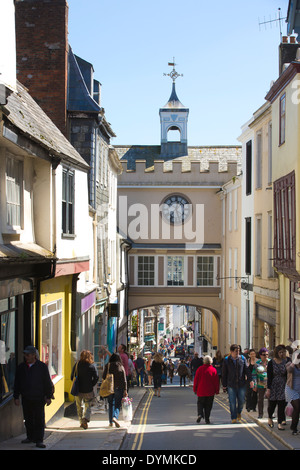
43, 244
66, 89
283, 97
169, 209
265, 282
230, 277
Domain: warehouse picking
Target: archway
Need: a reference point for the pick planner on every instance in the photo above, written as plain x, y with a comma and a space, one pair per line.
158, 327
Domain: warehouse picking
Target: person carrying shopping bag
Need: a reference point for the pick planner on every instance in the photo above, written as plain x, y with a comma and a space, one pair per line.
117, 369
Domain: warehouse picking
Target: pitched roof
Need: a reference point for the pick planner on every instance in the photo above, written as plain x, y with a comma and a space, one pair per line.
23, 112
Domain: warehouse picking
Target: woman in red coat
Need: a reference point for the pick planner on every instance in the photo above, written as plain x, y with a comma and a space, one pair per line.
206, 386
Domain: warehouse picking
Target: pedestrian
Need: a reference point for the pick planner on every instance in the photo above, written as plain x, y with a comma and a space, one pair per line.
117, 369
277, 375
131, 372
235, 375
87, 376
140, 368
124, 358
206, 386
251, 393
182, 371
195, 363
218, 364
157, 370
261, 375
148, 369
292, 389
171, 369
33, 383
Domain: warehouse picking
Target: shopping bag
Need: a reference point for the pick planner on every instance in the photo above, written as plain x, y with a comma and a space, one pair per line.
289, 410
127, 409
107, 385
75, 386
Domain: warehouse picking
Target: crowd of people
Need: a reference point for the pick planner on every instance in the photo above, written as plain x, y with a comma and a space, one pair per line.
251, 376
248, 377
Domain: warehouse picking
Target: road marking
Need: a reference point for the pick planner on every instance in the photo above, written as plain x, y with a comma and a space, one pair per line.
262, 439
142, 423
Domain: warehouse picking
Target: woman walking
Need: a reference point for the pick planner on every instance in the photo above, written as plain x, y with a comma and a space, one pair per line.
292, 389
276, 372
206, 386
251, 394
86, 372
157, 370
261, 375
117, 369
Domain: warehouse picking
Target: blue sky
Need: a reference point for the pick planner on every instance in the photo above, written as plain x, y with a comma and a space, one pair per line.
227, 60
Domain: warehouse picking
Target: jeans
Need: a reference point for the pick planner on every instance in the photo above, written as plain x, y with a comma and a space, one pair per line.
236, 400
114, 404
83, 406
138, 375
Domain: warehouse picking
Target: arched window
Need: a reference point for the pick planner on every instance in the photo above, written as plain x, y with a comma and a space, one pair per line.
174, 134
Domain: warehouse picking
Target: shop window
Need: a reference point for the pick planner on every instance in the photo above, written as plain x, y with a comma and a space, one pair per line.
51, 352
8, 308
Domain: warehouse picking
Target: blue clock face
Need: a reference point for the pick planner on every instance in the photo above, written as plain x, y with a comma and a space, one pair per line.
176, 209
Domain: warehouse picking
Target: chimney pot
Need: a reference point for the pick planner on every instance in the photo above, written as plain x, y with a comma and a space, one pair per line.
285, 39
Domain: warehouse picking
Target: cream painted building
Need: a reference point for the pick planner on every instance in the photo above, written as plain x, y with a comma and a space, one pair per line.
233, 321
265, 281
284, 99
169, 208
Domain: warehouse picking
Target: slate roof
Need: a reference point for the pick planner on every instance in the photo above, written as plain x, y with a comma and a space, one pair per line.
204, 155
24, 113
79, 97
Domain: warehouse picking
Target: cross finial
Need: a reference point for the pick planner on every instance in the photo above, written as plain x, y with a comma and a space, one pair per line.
173, 74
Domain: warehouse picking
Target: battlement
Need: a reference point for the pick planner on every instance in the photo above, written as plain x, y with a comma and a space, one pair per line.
179, 172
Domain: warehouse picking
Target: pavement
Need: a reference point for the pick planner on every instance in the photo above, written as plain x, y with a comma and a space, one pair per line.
65, 433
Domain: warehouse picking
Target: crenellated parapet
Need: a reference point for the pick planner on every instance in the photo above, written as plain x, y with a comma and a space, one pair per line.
179, 172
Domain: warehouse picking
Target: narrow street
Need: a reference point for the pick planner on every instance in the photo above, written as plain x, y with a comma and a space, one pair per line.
169, 423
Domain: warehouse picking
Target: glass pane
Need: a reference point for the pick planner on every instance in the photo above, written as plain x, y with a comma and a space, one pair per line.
7, 353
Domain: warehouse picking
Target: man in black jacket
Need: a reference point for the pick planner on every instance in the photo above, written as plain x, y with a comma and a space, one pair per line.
195, 363
34, 384
235, 375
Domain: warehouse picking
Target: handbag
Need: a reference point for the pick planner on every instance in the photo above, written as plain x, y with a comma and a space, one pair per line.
107, 385
75, 386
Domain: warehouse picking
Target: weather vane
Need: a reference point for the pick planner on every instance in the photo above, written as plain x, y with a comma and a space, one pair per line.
173, 74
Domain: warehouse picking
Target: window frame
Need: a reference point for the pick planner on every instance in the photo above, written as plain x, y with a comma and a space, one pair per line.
68, 203
15, 225
285, 233
282, 119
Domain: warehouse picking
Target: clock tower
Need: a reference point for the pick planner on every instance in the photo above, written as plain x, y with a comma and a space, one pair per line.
173, 117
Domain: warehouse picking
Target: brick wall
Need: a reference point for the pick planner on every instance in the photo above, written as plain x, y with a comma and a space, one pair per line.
42, 43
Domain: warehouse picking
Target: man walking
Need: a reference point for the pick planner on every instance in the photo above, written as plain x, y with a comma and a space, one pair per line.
195, 363
34, 384
235, 375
